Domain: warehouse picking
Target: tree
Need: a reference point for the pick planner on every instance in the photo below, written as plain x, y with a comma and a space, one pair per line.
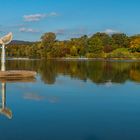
107, 41
73, 51
48, 39
121, 40
135, 44
83, 45
95, 45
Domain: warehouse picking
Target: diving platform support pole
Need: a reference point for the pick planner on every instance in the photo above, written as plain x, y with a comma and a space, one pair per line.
3, 58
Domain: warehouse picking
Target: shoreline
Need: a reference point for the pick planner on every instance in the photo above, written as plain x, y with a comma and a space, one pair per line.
27, 59
78, 59
95, 59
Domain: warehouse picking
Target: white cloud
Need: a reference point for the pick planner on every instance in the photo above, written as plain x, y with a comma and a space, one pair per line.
111, 31
28, 30
35, 17
38, 17
75, 32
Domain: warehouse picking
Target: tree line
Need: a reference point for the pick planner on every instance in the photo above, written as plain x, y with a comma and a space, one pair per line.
99, 45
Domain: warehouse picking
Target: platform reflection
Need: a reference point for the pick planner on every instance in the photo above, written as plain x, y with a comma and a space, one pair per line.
4, 110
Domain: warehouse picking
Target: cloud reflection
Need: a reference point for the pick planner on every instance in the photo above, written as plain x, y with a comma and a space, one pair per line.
36, 97
33, 96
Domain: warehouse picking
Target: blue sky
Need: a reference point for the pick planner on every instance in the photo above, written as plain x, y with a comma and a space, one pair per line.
29, 19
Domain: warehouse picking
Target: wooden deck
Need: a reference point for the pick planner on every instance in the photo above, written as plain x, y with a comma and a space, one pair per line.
15, 74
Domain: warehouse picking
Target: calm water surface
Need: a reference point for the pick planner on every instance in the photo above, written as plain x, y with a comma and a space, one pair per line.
72, 100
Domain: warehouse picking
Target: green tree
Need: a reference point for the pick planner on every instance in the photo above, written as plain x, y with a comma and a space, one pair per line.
107, 41
48, 39
121, 40
73, 51
95, 45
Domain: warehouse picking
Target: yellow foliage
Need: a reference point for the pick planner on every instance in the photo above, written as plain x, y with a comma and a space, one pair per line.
135, 43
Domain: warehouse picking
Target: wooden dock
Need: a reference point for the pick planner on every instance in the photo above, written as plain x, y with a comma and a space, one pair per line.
17, 74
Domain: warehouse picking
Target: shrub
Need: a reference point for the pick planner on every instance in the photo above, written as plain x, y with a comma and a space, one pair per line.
94, 55
120, 53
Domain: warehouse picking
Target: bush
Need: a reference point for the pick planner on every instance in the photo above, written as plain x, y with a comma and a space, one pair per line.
93, 55
120, 53
136, 55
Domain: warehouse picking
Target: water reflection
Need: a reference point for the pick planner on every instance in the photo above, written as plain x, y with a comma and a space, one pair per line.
3, 109
95, 71
72, 107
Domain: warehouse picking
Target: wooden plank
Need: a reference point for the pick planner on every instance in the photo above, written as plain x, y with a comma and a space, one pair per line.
17, 74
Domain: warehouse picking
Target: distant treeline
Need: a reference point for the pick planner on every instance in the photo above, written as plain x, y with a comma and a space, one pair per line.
99, 45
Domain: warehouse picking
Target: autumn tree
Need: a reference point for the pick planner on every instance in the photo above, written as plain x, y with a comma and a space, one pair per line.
135, 44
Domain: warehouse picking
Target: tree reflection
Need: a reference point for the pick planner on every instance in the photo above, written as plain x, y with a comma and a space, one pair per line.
95, 71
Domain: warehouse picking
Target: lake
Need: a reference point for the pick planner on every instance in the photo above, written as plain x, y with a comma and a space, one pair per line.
72, 100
